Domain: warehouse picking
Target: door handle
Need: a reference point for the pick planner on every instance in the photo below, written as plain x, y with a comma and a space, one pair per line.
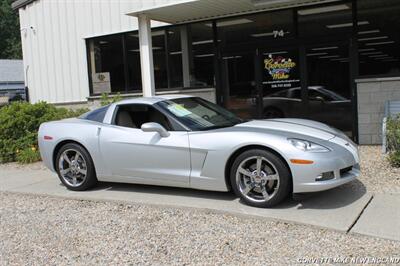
98, 131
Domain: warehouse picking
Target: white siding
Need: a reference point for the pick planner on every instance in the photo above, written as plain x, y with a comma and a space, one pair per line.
55, 51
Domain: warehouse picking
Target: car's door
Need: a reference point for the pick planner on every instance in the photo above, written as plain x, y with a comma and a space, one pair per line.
146, 157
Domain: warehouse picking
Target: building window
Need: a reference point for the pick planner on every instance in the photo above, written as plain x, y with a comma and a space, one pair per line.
328, 88
133, 62
106, 64
159, 59
190, 57
182, 56
326, 21
256, 29
378, 38
174, 59
201, 55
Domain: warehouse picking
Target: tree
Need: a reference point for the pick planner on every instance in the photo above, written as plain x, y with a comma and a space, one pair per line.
10, 36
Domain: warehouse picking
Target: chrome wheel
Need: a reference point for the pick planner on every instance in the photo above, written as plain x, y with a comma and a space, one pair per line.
72, 167
257, 179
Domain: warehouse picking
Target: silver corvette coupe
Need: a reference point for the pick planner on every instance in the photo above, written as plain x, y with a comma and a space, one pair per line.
185, 141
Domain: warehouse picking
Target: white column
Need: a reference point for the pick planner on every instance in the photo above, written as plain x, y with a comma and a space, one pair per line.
185, 56
146, 56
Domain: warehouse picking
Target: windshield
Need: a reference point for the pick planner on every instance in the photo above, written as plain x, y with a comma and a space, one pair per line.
199, 114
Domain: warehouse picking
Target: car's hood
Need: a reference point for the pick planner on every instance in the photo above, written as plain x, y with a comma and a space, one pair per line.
296, 126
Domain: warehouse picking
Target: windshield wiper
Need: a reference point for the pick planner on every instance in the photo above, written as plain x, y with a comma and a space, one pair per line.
217, 127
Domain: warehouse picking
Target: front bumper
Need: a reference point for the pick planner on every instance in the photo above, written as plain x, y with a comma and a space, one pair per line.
338, 180
341, 164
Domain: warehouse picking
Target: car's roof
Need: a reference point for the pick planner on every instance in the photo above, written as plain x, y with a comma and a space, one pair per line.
154, 99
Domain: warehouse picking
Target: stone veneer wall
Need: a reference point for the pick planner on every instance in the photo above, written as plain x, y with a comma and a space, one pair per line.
371, 97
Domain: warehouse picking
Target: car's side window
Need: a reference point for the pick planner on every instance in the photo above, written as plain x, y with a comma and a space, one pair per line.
135, 115
96, 115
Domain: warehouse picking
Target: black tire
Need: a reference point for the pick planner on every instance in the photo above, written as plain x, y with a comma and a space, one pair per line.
273, 112
90, 180
282, 182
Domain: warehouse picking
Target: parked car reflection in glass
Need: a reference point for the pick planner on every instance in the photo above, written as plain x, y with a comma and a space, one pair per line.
323, 105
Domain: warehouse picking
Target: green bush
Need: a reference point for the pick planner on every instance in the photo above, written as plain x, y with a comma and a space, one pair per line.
28, 155
19, 123
394, 158
106, 100
393, 140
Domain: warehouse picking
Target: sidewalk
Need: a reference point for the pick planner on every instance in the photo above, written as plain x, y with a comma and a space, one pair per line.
344, 209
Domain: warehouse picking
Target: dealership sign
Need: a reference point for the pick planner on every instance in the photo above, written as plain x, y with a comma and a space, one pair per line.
279, 67
280, 71
101, 82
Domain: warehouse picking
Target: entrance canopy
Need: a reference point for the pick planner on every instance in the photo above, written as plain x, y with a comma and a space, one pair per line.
194, 10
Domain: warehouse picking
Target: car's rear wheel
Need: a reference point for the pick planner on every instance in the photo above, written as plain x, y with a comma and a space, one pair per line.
75, 167
260, 178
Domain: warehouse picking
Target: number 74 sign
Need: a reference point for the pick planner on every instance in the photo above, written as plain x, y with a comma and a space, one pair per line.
279, 33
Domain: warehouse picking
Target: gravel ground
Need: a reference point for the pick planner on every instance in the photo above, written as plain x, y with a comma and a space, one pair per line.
376, 173
37, 230
47, 230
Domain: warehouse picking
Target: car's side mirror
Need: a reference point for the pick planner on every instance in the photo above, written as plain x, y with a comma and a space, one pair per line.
155, 127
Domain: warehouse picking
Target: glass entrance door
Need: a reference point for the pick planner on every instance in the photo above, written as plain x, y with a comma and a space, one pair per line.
311, 82
290, 63
281, 87
328, 86
239, 40
238, 80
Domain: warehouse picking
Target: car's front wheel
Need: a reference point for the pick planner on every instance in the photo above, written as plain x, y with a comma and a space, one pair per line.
75, 167
260, 178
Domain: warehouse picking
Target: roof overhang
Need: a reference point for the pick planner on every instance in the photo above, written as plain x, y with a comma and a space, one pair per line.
20, 3
196, 10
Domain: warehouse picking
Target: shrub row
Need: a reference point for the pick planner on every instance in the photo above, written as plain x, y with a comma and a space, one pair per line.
393, 140
19, 124
106, 99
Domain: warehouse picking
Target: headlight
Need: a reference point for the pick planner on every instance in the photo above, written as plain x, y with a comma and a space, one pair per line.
306, 145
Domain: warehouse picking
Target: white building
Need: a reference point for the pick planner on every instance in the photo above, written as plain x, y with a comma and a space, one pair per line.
328, 60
